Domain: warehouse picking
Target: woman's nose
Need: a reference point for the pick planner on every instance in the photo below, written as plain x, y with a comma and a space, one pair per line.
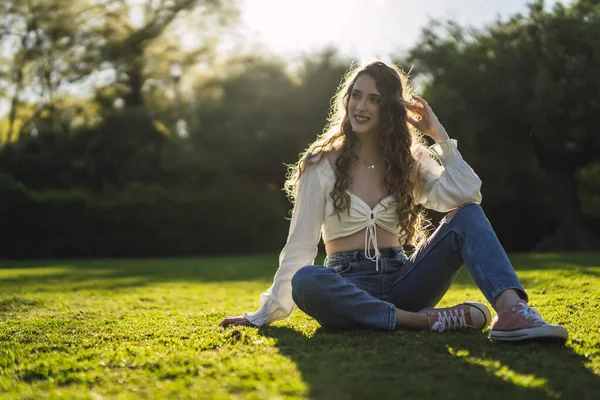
361, 105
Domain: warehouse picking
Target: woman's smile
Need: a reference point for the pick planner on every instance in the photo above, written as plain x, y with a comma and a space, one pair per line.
361, 119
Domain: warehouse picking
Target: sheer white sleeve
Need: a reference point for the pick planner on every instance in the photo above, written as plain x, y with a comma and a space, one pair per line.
448, 186
300, 250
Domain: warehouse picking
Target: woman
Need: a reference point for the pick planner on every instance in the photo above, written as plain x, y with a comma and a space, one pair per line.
362, 184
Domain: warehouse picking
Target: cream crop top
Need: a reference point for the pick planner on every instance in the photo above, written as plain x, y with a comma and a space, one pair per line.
439, 187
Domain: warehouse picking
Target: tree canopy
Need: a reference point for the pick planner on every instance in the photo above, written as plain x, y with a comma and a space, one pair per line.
523, 97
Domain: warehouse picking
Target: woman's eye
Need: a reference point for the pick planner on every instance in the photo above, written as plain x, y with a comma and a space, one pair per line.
376, 101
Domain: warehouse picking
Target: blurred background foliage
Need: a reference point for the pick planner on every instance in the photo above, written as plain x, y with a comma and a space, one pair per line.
177, 151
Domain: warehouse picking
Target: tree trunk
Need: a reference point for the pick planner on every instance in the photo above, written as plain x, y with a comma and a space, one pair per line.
134, 98
14, 104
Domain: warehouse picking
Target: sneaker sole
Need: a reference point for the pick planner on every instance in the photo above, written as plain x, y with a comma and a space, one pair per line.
487, 316
543, 332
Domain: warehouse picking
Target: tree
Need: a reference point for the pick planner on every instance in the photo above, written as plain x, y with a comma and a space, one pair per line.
48, 51
131, 45
56, 44
523, 97
261, 115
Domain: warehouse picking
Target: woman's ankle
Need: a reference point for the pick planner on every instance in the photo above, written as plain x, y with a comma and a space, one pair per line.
507, 300
406, 319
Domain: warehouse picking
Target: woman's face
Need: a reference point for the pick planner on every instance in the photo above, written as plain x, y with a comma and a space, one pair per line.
364, 106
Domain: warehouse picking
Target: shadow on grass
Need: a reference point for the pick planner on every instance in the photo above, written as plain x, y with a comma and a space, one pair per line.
580, 262
115, 274
14, 304
409, 364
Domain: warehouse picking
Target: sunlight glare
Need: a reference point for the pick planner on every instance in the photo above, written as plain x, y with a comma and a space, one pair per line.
312, 24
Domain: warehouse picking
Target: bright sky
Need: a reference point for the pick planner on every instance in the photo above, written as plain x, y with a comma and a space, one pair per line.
361, 28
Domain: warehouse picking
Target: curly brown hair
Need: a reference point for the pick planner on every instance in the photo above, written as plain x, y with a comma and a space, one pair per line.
398, 140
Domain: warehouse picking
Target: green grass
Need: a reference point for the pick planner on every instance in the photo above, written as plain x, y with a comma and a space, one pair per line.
148, 329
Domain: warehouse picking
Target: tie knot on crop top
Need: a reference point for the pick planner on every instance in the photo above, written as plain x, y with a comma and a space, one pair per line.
358, 216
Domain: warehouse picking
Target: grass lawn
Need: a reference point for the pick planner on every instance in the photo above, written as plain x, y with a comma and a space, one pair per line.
148, 329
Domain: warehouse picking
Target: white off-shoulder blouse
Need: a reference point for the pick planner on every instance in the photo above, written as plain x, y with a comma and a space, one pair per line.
439, 187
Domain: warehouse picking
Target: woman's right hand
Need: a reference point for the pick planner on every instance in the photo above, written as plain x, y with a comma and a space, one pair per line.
235, 321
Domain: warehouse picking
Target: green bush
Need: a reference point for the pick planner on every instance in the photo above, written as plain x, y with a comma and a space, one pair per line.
589, 189
224, 217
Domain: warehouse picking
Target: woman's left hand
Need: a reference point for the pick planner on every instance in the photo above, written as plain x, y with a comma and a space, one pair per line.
424, 119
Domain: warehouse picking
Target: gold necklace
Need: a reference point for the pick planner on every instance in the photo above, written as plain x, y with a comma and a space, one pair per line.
369, 166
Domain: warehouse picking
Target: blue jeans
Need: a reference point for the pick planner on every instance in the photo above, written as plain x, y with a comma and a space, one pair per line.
350, 293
